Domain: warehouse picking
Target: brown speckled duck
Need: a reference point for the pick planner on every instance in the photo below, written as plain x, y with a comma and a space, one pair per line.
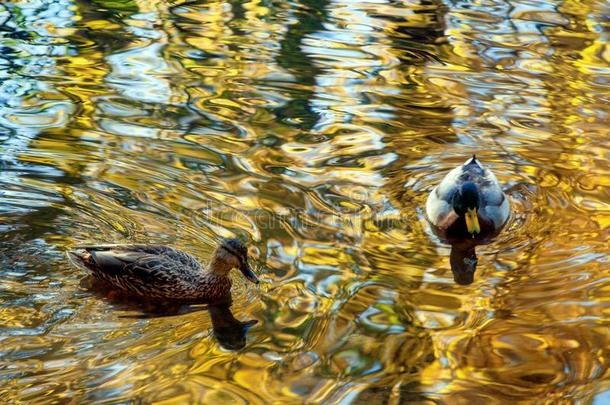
162, 272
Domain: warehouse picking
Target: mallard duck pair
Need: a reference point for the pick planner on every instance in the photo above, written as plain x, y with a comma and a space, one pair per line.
468, 203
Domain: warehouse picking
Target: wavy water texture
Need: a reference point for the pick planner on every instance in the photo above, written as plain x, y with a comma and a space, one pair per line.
314, 129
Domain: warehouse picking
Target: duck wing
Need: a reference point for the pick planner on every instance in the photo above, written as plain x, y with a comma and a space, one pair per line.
114, 256
439, 207
152, 270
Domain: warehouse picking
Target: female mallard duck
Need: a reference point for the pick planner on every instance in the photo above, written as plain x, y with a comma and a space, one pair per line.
468, 201
162, 272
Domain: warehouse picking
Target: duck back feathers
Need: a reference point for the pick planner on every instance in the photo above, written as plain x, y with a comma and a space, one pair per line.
152, 271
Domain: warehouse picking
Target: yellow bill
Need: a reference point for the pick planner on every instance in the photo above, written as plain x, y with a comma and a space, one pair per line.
472, 221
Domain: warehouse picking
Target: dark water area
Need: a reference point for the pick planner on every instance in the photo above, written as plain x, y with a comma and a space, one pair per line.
314, 130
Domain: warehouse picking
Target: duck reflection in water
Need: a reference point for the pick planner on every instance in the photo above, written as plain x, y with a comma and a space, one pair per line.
466, 209
228, 331
463, 260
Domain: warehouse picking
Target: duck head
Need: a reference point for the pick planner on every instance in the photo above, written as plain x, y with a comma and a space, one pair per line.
231, 254
466, 203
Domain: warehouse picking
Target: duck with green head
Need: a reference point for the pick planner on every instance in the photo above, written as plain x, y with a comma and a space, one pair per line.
468, 203
466, 209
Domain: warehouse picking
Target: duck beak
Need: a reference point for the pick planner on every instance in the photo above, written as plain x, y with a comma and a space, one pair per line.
472, 221
248, 273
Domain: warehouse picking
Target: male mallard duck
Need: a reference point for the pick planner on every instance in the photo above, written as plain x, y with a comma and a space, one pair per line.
162, 272
468, 201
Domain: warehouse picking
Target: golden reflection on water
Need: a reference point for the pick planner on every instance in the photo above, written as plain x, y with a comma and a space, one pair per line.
313, 129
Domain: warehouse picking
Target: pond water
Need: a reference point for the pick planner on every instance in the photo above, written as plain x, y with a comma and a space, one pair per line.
313, 129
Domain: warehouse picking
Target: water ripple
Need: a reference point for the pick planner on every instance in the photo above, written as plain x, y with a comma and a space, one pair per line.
314, 130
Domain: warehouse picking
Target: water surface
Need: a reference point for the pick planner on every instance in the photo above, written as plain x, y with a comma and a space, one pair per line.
314, 129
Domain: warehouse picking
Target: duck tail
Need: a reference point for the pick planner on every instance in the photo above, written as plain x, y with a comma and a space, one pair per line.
80, 258
472, 160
